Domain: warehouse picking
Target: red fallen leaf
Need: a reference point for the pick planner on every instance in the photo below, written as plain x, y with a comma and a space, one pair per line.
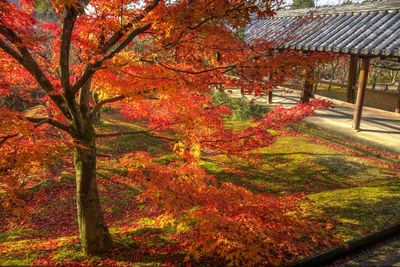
379, 162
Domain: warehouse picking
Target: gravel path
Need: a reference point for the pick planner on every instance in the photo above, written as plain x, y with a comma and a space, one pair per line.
378, 129
387, 255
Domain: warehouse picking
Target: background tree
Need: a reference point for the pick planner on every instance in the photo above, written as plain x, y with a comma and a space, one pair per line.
302, 4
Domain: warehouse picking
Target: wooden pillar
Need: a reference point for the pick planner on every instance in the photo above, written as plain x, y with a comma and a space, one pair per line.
307, 91
270, 96
315, 86
397, 110
352, 79
362, 85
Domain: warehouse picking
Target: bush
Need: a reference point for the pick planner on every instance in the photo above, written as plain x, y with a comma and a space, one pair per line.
242, 109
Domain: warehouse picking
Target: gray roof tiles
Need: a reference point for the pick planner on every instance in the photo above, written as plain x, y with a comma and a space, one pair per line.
372, 29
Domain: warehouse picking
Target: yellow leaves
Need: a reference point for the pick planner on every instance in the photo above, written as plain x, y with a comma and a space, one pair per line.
165, 220
60, 3
189, 150
134, 161
179, 148
66, 2
124, 58
168, 31
195, 150
27, 153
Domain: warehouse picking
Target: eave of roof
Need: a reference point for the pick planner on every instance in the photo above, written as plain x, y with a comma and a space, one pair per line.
370, 29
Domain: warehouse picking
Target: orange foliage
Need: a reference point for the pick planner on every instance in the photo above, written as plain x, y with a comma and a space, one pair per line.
26, 155
224, 221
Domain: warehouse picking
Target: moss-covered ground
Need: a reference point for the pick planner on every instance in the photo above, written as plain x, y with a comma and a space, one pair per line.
359, 193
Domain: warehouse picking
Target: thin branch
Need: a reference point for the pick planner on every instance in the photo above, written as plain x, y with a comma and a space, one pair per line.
143, 77
201, 23
128, 39
382, 66
29, 63
93, 67
5, 138
160, 137
145, 132
103, 155
50, 121
226, 68
119, 34
107, 135
105, 101
220, 104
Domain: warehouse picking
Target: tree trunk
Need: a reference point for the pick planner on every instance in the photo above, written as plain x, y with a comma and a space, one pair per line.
343, 79
96, 100
374, 83
93, 230
307, 91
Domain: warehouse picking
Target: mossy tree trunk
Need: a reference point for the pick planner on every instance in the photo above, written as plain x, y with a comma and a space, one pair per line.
93, 230
96, 100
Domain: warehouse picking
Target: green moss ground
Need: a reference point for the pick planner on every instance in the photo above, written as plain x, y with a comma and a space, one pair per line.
357, 193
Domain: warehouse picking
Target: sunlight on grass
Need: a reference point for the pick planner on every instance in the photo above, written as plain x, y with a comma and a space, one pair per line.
355, 193
360, 210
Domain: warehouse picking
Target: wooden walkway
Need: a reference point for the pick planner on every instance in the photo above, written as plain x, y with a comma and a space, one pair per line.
379, 129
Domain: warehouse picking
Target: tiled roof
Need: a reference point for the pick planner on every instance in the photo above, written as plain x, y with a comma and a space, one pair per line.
372, 29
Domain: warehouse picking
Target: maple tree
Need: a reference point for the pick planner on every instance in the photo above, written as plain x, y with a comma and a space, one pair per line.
160, 59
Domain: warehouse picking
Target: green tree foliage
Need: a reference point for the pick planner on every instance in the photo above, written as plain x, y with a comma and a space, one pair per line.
303, 4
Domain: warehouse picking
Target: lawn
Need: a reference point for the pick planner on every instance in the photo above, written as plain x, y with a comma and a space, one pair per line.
357, 192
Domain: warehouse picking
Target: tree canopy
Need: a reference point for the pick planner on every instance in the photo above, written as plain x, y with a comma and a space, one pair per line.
156, 61
302, 4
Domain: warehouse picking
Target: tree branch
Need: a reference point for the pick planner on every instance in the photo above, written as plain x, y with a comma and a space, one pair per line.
91, 69
57, 124
226, 68
27, 61
103, 155
9, 50
5, 138
145, 132
66, 34
220, 104
105, 101
106, 135
119, 34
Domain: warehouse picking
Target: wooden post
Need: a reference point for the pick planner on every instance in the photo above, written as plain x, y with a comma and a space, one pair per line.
397, 110
307, 91
362, 85
270, 96
315, 86
352, 79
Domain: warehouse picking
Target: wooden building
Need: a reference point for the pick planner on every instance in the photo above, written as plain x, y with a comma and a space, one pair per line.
363, 31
